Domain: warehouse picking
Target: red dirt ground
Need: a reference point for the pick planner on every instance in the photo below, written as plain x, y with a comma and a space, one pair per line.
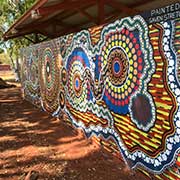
32, 140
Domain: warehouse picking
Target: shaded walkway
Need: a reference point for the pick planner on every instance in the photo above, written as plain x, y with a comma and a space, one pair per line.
32, 140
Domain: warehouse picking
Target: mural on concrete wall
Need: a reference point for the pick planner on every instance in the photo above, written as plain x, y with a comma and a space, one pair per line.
120, 81
29, 74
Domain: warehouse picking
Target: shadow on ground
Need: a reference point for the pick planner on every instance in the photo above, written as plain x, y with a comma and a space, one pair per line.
32, 140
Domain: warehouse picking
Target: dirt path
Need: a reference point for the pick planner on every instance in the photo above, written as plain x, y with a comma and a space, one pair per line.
32, 140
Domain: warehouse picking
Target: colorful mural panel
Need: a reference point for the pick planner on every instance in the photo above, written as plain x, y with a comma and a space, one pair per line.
119, 82
30, 74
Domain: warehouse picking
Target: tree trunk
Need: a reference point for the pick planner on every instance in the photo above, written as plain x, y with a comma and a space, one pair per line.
12, 61
18, 69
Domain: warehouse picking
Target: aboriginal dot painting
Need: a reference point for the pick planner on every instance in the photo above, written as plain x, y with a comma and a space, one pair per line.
120, 83
30, 74
49, 64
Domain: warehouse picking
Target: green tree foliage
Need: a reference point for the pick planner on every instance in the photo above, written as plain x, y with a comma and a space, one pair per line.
10, 11
1, 50
4, 58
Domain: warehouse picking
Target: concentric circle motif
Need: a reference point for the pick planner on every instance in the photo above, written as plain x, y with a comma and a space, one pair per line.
117, 66
76, 64
77, 84
49, 77
31, 74
124, 58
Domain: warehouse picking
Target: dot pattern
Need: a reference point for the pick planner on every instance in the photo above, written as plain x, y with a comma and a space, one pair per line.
30, 75
49, 76
119, 84
124, 48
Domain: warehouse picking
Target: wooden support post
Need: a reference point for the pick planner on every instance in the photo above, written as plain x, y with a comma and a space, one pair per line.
36, 38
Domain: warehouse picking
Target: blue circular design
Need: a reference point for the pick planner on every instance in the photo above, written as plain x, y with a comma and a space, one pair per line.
117, 67
77, 83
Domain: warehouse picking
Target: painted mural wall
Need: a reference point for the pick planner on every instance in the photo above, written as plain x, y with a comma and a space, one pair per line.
120, 82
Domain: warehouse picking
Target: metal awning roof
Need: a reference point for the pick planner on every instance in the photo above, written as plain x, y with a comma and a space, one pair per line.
54, 18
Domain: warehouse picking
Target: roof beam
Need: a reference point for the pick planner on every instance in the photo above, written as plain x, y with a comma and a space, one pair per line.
33, 26
63, 6
24, 16
5, 38
58, 22
84, 13
73, 11
101, 14
73, 29
141, 3
121, 7
109, 19
115, 14
43, 24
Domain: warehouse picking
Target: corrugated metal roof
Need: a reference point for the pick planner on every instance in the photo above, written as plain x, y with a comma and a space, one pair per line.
54, 18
